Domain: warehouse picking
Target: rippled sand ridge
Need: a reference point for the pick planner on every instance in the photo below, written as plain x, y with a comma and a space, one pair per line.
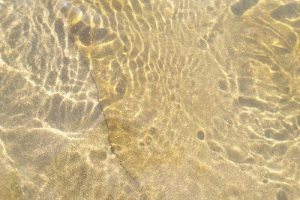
150, 99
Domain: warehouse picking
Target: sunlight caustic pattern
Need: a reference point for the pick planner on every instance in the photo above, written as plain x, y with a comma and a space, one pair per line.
150, 99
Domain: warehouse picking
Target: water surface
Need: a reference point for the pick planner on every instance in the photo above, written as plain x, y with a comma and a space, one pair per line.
150, 99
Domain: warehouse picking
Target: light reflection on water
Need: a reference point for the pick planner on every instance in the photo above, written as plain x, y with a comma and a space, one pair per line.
143, 99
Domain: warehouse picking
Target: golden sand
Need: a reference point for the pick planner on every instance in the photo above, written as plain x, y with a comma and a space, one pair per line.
150, 99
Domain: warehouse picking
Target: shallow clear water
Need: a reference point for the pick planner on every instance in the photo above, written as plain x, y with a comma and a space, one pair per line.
150, 99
